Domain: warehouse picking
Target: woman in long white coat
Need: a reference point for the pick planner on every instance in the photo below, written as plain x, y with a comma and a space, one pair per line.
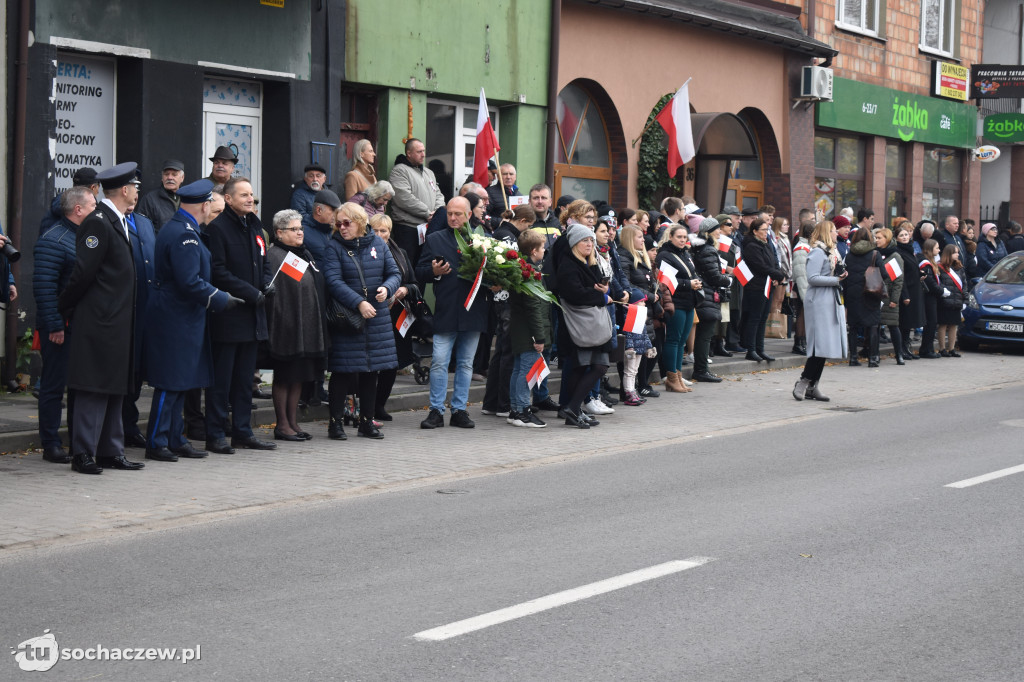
824, 313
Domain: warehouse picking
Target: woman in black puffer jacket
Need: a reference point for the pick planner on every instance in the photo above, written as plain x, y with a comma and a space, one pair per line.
862, 311
704, 247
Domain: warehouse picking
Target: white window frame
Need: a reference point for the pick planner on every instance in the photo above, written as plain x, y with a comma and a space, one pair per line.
465, 137
944, 20
862, 28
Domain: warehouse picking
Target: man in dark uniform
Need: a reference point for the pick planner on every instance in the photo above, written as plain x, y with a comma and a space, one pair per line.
99, 301
160, 204
143, 239
178, 356
223, 161
54, 258
238, 252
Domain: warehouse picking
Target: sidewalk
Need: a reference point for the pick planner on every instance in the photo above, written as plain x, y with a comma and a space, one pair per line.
42, 503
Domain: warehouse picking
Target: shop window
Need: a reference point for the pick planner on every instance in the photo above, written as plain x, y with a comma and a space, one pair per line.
938, 26
451, 142
941, 195
582, 160
895, 181
862, 16
839, 173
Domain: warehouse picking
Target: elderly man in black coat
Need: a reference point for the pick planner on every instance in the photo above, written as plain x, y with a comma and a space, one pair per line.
237, 250
99, 301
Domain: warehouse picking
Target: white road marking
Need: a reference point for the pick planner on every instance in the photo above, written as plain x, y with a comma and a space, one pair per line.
558, 599
985, 477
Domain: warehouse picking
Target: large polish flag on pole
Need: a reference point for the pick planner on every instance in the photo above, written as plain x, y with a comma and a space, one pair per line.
486, 142
675, 119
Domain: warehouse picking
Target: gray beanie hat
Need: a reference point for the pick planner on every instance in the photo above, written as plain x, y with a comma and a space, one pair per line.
577, 233
708, 225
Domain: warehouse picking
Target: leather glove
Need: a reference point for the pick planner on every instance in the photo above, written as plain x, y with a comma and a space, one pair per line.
946, 293
232, 302
270, 290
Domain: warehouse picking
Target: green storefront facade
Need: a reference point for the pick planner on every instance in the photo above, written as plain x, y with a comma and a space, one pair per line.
894, 152
416, 69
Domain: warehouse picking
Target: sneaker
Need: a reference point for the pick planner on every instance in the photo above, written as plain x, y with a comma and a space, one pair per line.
548, 405
688, 359
649, 392
460, 419
489, 413
710, 361
516, 418
530, 420
434, 420
633, 399
686, 382
595, 406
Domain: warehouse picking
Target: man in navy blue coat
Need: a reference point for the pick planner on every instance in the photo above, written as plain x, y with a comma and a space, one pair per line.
143, 238
455, 328
177, 346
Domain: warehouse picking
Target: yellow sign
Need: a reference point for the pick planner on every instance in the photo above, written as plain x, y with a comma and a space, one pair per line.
951, 80
273, 3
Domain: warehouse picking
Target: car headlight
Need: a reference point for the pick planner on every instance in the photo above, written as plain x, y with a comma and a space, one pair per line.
972, 302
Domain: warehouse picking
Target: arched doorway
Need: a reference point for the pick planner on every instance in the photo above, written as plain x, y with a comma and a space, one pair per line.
588, 152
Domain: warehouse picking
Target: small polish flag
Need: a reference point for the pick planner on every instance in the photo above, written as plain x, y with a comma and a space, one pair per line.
537, 373
667, 276
724, 243
404, 321
636, 318
476, 284
742, 272
294, 267
723, 263
894, 270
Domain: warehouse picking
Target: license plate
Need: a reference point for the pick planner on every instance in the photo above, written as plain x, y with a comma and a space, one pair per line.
1017, 328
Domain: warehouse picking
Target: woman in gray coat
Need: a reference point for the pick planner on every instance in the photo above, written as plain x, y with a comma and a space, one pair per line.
824, 314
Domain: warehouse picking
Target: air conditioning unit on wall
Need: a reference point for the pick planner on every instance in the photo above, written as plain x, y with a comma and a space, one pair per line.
816, 83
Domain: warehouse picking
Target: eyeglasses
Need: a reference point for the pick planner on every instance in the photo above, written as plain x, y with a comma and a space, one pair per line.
343, 223
292, 229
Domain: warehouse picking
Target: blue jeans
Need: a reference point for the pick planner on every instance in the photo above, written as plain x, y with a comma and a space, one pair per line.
464, 344
676, 331
518, 390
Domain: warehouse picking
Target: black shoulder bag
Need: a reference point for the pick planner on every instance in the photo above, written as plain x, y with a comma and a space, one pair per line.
341, 319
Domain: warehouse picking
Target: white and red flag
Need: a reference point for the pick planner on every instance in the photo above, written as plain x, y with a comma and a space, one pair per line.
742, 272
537, 373
893, 269
723, 263
667, 276
476, 284
636, 318
404, 321
675, 119
294, 267
486, 142
768, 287
724, 243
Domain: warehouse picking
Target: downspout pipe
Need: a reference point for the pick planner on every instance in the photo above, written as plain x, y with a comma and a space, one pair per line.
552, 122
18, 180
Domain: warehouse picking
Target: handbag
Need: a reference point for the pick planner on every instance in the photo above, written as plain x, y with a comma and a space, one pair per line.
874, 285
588, 326
777, 326
342, 319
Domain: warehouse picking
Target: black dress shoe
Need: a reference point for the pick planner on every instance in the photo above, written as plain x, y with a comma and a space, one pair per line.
135, 440
706, 377
56, 454
252, 443
751, 355
119, 462
765, 356
85, 464
260, 394
736, 349
220, 446
161, 454
572, 419
932, 355
304, 435
287, 436
548, 405
190, 452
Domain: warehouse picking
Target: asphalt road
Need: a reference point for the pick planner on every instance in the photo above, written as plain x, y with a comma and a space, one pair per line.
832, 550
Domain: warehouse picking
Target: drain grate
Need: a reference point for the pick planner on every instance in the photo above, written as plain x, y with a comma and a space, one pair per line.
849, 409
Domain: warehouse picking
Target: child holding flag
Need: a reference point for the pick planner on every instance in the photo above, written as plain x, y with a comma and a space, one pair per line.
530, 330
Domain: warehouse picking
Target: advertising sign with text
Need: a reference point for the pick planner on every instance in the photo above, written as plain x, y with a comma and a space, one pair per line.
85, 116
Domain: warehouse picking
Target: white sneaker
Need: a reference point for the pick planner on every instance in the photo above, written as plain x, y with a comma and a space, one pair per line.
687, 382
710, 361
689, 358
596, 407
515, 419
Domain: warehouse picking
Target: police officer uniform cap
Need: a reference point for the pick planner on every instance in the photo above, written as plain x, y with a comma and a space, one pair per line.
119, 176
196, 192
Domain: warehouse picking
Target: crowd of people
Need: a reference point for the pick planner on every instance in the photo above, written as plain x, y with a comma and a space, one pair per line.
337, 287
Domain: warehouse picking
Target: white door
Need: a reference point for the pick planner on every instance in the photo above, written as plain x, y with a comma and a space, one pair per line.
239, 129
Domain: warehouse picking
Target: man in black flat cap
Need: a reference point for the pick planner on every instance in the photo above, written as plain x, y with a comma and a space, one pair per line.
224, 161
160, 204
304, 192
99, 302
